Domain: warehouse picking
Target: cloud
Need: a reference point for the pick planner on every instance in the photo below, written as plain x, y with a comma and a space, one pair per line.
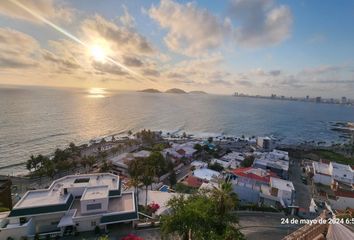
126, 19
132, 61
221, 82
120, 39
191, 30
275, 73
151, 72
108, 68
244, 83
323, 69
261, 22
46, 8
332, 81
67, 63
175, 75
17, 50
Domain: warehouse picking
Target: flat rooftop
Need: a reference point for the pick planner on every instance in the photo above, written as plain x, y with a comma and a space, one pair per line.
282, 184
322, 168
40, 198
54, 194
280, 164
87, 180
205, 173
125, 203
95, 193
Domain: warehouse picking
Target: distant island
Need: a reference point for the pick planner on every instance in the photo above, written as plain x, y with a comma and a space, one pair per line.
172, 90
198, 92
176, 90
150, 90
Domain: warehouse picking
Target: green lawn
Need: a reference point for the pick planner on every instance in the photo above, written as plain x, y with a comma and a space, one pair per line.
333, 156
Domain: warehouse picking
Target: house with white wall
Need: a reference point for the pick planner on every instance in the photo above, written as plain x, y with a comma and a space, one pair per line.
326, 173
276, 161
279, 193
247, 183
72, 203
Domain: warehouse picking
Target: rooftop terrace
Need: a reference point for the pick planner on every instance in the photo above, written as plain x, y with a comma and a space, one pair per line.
95, 193
54, 195
122, 204
87, 180
41, 197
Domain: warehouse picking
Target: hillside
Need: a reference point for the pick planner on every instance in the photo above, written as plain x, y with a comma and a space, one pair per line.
150, 90
176, 90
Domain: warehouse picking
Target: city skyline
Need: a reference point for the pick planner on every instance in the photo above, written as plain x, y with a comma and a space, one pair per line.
259, 47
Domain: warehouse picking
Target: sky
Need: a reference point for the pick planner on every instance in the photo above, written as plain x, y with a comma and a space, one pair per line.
291, 48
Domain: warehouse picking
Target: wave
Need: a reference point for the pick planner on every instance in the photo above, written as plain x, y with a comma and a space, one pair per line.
39, 138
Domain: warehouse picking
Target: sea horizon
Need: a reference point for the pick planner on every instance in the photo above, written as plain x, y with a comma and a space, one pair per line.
44, 119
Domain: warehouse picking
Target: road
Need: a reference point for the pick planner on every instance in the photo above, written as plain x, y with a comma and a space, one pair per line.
264, 225
303, 192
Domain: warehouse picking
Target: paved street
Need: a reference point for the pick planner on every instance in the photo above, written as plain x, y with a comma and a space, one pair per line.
303, 192
264, 225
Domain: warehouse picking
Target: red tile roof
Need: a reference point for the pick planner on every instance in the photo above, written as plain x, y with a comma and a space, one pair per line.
193, 181
343, 193
246, 173
181, 151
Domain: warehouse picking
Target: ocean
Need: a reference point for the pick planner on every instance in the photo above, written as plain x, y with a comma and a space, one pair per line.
37, 120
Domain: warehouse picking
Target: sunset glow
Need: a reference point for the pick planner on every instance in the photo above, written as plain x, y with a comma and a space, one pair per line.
98, 53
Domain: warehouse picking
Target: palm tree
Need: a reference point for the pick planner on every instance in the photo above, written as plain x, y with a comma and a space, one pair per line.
147, 178
134, 170
91, 160
225, 199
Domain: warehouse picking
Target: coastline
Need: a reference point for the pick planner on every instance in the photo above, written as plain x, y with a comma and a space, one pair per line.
19, 169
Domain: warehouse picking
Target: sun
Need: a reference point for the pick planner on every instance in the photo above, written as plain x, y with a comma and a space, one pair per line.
98, 53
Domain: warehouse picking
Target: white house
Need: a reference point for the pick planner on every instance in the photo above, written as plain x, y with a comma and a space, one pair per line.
322, 173
278, 192
277, 161
185, 150
225, 164
343, 200
199, 164
326, 173
72, 203
342, 173
237, 156
205, 174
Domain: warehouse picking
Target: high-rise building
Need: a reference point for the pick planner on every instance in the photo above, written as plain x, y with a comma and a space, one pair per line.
344, 100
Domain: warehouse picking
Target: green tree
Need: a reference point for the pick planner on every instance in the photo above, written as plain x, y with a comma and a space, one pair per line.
147, 178
204, 215
225, 200
73, 149
158, 163
135, 170
216, 167
61, 155
198, 147
248, 161
172, 178
49, 168
91, 160
106, 166
105, 237
31, 163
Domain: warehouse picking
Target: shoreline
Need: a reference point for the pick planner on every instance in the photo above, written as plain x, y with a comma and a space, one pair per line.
178, 135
